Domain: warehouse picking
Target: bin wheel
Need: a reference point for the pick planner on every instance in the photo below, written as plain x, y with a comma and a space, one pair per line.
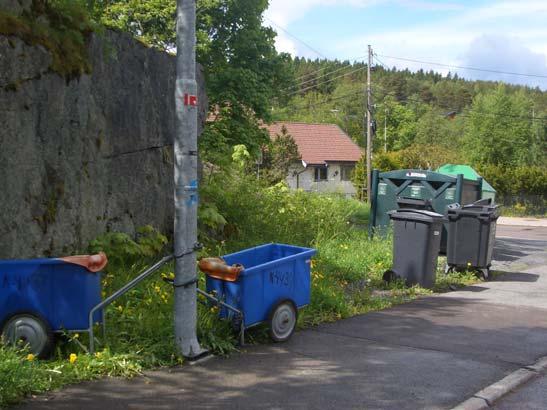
389, 276
29, 331
282, 320
485, 273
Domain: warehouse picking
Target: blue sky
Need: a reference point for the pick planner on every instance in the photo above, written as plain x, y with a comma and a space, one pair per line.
500, 35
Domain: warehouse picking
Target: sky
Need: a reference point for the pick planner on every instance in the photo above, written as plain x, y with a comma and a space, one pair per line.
499, 35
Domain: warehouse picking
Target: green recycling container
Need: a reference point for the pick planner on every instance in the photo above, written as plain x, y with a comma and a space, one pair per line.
487, 191
427, 190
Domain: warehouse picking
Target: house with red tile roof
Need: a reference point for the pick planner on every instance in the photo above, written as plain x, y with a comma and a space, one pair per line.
328, 157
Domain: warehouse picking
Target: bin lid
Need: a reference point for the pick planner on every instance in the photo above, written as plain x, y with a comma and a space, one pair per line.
482, 207
468, 173
420, 215
489, 211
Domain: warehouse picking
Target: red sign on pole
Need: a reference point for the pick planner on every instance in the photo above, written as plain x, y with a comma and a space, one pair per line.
190, 100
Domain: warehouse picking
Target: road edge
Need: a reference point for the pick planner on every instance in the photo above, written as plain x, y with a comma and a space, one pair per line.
485, 398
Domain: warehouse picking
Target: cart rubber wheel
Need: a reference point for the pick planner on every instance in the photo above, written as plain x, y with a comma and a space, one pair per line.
282, 320
29, 331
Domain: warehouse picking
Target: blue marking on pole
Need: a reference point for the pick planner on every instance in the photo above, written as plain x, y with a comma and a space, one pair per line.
193, 198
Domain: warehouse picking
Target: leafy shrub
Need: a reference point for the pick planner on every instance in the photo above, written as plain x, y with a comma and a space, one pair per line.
255, 213
123, 251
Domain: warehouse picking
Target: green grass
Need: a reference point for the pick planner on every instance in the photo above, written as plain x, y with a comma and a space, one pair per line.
346, 281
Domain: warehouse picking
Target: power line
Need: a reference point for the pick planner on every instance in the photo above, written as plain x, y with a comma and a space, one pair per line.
464, 67
312, 73
381, 63
296, 38
321, 76
325, 82
327, 101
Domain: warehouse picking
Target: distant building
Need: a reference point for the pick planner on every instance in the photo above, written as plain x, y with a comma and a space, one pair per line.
328, 157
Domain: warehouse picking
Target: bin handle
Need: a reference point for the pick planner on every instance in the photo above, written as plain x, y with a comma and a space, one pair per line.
416, 211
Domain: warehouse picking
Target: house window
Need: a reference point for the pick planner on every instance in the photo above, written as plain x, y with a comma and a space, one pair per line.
346, 172
320, 174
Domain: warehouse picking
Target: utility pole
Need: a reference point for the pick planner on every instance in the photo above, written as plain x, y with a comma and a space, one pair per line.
385, 129
369, 123
186, 183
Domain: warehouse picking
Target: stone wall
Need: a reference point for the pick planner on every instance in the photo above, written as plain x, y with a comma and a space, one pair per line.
84, 156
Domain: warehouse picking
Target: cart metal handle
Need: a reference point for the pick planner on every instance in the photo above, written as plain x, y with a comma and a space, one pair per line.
120, 292
233, 309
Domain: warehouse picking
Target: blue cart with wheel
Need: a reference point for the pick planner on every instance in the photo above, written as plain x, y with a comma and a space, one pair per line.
273, 285
43, 297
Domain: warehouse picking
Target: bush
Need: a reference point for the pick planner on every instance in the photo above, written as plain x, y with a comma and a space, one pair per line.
523, 189
254, 213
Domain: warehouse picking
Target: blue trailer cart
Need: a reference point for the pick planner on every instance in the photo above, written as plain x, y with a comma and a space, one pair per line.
273, 285
41, 297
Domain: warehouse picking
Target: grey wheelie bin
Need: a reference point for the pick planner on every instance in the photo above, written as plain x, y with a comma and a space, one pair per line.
471, 234
416, 242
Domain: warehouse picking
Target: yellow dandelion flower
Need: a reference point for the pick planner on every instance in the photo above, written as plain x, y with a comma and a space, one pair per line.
73, 357
98, 355
30, 357
76, 335
120, 308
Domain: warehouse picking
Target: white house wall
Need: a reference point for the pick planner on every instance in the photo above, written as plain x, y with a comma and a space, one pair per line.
332, 184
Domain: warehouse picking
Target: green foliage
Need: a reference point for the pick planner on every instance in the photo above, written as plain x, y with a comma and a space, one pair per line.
359, 178
417, 156
278, 157
123, 251
255, 213
243, 71
153, 21
61, 26
516, 180
507, 136
241, 156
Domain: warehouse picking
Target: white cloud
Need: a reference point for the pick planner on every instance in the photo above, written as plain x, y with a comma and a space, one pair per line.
505, 54
511, 36
281, 13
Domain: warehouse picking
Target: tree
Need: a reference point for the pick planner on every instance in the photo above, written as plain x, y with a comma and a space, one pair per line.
500, 130
278, 157
243, 71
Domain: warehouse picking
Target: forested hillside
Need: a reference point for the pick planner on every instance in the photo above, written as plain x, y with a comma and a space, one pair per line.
483, 122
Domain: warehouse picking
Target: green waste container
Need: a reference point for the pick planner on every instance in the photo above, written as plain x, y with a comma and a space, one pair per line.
394, 190
487, 191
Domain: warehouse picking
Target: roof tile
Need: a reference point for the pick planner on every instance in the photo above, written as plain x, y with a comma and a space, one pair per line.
319, 143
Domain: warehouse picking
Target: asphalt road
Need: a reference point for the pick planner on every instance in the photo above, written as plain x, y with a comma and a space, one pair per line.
432, 353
